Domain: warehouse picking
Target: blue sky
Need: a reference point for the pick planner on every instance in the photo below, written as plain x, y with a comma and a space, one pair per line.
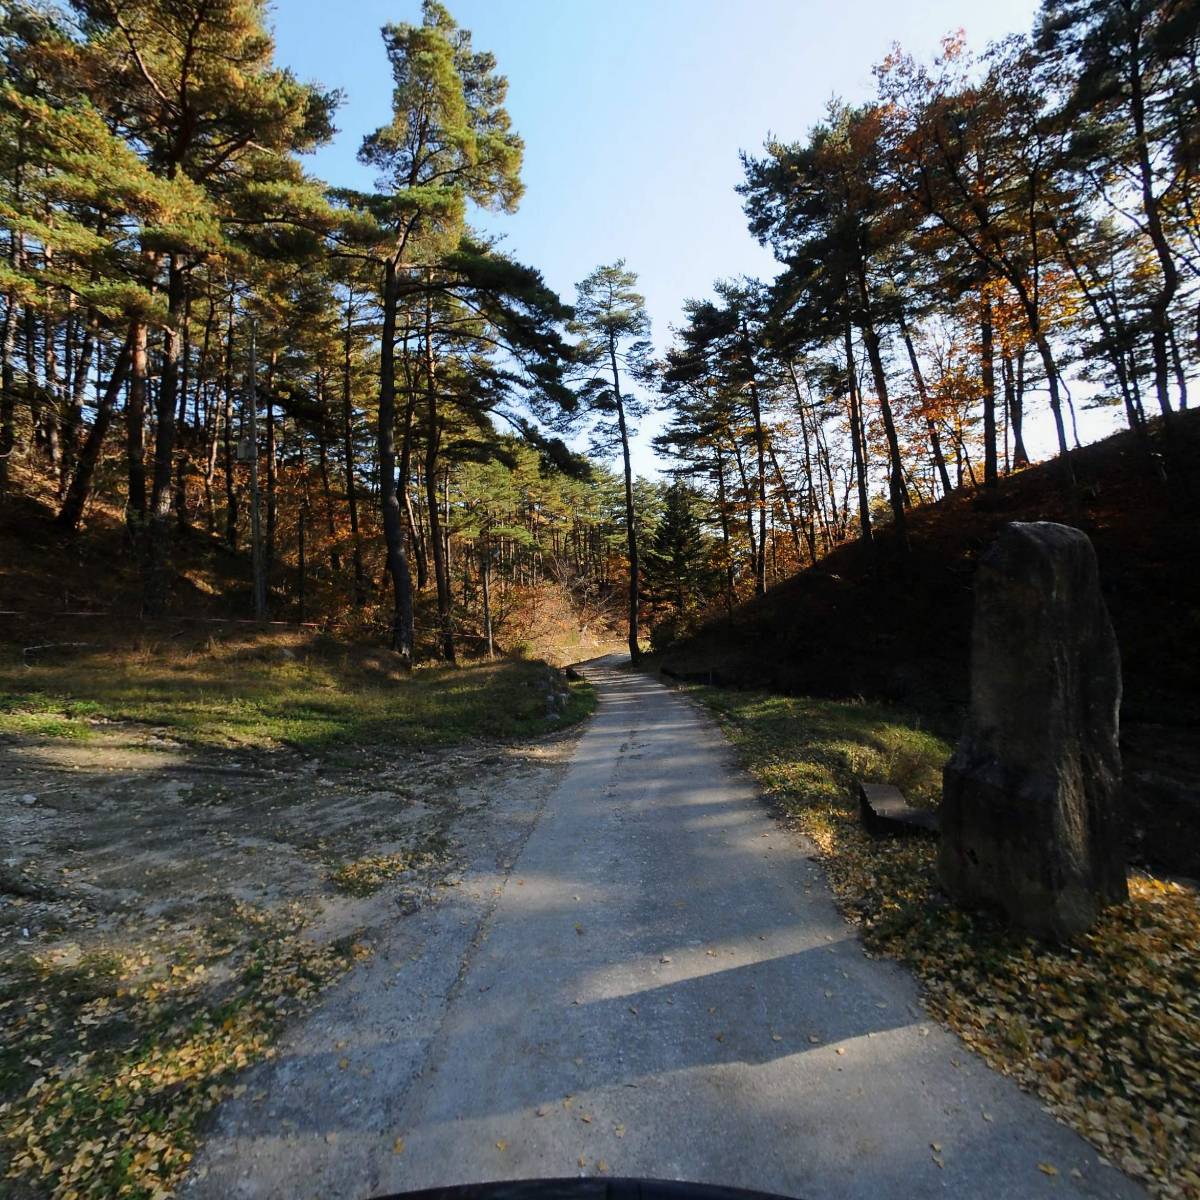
633, 113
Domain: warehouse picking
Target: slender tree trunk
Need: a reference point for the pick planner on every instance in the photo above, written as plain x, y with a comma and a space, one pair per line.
272, 466
1113, 328
896, 487
433, 434
135, 434
935, 441
52, 413
1160, 306
1177, 366
231, 495
816, 494
156, 581
748, 492
635, 649
485, 581
786, 496
723, 512
256, 542
987, 372
760, 566
360, 579
81, 364
393, 531
182, 458
1017, 413
33, 391
416, 533
8, 424
858, 449
80, 486
335, 559
301, 560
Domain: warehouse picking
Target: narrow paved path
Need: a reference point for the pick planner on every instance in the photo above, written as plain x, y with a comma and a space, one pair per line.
655, 983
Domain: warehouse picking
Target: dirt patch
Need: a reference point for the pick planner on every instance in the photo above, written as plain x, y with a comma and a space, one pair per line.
165, 908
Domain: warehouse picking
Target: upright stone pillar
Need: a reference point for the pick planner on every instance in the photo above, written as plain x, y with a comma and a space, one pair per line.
1030, 811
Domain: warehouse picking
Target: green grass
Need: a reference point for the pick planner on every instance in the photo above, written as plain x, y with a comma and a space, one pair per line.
316, 700
808, 751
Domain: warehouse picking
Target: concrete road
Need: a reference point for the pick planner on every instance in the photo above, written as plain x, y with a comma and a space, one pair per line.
653, 982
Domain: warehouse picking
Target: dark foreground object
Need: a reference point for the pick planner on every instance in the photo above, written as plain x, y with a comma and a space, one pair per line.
584, 1189
1030, 801
886, 813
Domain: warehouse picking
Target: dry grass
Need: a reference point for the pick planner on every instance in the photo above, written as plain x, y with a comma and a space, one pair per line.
1105, 1029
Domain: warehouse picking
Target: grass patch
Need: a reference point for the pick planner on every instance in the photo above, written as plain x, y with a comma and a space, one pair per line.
311, 697
1104, 1028
113, 1048
116, 1060
35, 713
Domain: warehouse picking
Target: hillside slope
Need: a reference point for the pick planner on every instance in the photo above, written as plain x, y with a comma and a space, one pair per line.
870, 621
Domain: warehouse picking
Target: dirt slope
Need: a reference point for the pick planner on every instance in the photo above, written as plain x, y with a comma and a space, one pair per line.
875, 622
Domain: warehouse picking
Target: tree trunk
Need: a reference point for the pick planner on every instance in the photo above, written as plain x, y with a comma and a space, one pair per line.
360, 580
485, 580
8, 424
135, 434
80, 486
77, 389
786, 495
335, 559
760, 566
1160, 306
156, 581
433, 433
935, 441
858, 450
816, 494
987, 374
393, 531
897, 491
723, 513
635, 649
231, 496
1017, 413
182, 462
272, 466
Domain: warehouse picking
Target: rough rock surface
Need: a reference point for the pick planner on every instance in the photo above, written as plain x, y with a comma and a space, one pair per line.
1030, 803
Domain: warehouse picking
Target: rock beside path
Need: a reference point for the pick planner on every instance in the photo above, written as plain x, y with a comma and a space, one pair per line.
1031, 798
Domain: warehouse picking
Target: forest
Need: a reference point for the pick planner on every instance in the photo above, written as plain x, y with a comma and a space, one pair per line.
415, 677
401, 423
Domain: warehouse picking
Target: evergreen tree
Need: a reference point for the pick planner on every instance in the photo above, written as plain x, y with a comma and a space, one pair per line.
613, 330
678, 561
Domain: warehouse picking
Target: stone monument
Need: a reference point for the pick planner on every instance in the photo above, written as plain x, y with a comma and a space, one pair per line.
1030, 811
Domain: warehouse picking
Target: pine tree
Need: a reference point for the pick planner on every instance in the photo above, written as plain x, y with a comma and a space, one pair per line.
613, 330
679, 569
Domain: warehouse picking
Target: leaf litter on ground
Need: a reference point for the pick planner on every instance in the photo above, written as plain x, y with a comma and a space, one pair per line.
1104, 1029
